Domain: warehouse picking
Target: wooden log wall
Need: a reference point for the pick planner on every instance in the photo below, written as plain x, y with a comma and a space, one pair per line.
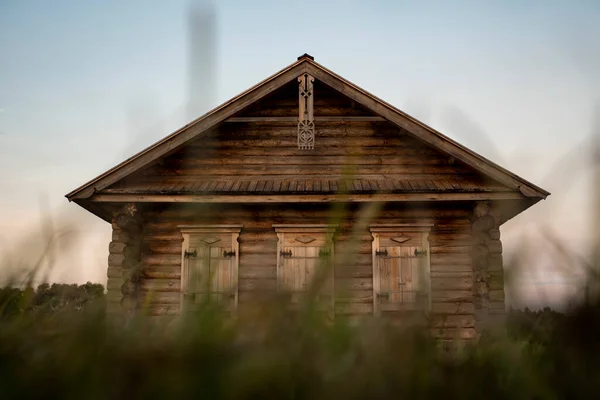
453, 290
124, 262
488, 289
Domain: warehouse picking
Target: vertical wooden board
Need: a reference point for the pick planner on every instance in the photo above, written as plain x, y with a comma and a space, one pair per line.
310, 263
222, 272
299, 268
288, 270
406, 279
384, 278
195, 269
395, 266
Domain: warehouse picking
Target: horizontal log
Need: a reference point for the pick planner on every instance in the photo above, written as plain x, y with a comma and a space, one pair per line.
161, 285
452, 308
353, 247
114, 272
354, 271
352, 259
308, 198
257, 273
329, 141
454, 296
265, 223
263, 236
343, 285
116, 247
354, 296
443, 268
254, 247
251, 285
171, 233
162, 246
161, 259
413, 161
494, 246
294, 119
164, 272
494, 234
452, 214
308, 170
351, 149
451, 274
258, 260
450, 249
464, 283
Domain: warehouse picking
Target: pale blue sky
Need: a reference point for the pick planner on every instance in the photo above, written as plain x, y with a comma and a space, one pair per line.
85, 84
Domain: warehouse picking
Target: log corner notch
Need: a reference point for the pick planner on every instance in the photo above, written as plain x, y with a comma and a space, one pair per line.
488, 279
124, 261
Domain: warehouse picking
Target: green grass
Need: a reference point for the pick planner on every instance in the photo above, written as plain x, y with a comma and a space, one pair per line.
76, 352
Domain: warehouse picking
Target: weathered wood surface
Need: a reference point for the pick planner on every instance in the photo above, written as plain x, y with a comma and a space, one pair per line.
264, 157
451, 264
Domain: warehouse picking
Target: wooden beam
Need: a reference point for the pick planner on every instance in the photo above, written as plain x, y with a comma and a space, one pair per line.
303, 198
317, 119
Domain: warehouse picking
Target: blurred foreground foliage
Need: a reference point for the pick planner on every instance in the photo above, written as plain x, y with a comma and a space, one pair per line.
57, 342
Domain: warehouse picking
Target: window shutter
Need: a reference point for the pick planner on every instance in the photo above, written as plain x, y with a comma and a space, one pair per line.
400, 268
400, 275
304, 260
210, 264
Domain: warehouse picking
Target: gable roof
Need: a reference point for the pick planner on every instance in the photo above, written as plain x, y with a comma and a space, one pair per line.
306, 64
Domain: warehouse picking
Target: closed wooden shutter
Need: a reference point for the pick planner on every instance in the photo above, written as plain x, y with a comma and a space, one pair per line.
400, 270
304, 264
210, 263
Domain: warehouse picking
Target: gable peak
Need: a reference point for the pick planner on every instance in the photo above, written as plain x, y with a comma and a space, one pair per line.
307, 56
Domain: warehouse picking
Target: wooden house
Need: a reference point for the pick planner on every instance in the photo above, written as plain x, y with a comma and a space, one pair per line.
250, 198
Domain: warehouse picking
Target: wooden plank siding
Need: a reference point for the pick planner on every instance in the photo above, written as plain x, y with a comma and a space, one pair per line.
263, 157
451, 270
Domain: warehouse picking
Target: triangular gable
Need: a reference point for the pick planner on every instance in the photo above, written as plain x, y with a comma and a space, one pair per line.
306, 64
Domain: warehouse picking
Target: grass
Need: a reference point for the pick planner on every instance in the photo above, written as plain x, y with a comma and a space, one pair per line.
77, 352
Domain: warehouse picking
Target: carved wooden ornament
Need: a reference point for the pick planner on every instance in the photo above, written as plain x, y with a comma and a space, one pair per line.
210, 239
400, 239
305, 239
306, 123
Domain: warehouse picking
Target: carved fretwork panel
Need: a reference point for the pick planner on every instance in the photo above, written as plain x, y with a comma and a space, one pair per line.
306, 124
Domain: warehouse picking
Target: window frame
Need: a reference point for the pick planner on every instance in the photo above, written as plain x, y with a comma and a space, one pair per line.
189, 230
424, 229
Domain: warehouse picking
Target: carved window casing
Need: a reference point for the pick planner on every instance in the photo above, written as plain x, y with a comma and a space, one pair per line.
209, 265
401, 272
305, 261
